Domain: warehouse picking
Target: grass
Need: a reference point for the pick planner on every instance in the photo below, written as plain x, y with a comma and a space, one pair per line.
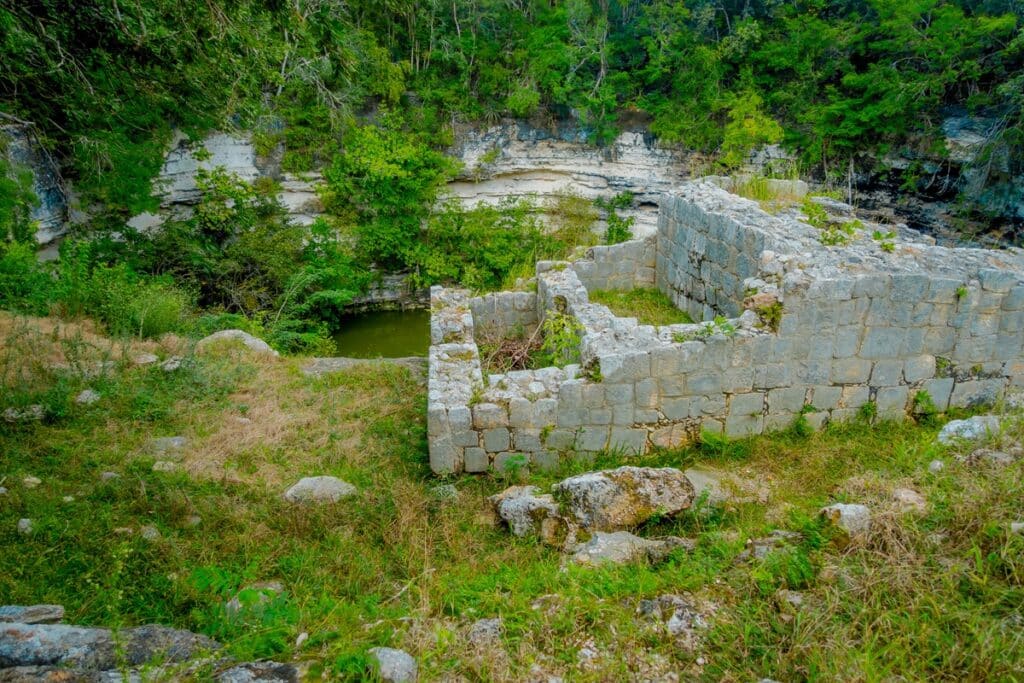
934, 597
648, 305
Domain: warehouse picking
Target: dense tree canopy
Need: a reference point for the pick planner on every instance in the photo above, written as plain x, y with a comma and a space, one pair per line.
107, 79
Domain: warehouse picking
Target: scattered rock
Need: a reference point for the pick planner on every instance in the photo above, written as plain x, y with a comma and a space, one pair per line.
93, 649
109, 476
168, 445
261, 672
255, 595
789, 602
25, 526
758, 548
165, 466
31, 614
621, 547
444, 492
31, 482
32, 413
68, 499
1017, 527
145, 358
721, 488
3, 490
394, 666
852, 518
936, 466
150, 533
193, 521
971, 429
679, 615
87, 397
485, 632
301, 638
247, 340
909, 500
988, 456
171, 364
241, 420
322, 489
524, 509
622, 498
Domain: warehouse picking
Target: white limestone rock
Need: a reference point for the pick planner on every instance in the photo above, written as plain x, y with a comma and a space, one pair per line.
971, 429
393, 665
87, 397
250, 342
624, 497
622, 547
852, 518
320, 489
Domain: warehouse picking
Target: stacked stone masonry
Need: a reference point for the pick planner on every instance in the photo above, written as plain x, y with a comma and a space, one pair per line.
814, 330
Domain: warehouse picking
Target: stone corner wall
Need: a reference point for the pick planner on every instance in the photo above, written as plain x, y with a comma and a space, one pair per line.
815, 331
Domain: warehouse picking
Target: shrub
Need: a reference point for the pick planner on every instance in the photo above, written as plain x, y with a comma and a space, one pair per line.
25, 284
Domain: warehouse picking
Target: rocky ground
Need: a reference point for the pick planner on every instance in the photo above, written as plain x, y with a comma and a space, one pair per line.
170, 512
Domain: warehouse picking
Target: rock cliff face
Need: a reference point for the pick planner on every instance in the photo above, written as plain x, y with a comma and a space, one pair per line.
178, 192
18, 145
517, 160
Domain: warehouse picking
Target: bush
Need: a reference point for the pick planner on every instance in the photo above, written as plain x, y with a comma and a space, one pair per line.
25, 284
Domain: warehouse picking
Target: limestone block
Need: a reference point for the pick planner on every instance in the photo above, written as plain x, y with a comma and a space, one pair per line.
672, 436
919, 368
646, 392
495, 440
593, 395
814, 372
624, 414
631, 441
778, 421
510, 460
851, 371
476, 460
746, 404
466, 438
704, 383
1014, 299
545, 460
887, 373
445, 458
939, 340
560, 439
489, 416
882, 342
911, 287
625, 367
994, 280
437, 420
521, 412
460, 418
526, 440
738, 426
545, 412
891, 400
599, 416
787, 400
592, 438
672, 386
855, 396
826, 397
977, 393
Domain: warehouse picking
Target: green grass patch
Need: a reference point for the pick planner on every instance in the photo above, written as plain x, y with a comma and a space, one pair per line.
648, 305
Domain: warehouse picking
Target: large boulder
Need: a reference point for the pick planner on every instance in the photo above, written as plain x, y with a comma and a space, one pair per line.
95, 649
250, 342
394, 666
612, 500
322, 489
622, 547
971, 429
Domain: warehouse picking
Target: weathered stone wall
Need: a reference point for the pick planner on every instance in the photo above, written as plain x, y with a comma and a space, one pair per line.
823, 331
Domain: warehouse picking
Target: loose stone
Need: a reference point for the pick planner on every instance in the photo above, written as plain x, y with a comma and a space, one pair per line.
31, 482
321, 489
854, 519
394, 666
25, 526
31, 614
87, 397
971, 429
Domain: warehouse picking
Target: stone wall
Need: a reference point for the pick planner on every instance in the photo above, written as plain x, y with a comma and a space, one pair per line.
821, 331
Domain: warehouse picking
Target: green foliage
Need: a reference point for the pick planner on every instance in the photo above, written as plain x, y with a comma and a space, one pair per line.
649, 306
16, 200
385, 182
562, 336
619, 229
748, 127
708, 328
25, 284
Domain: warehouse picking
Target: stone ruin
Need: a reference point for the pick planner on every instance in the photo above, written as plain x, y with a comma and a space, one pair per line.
811, 330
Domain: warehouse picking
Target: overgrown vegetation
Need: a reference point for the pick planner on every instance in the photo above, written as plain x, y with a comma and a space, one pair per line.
933, 596
648, 305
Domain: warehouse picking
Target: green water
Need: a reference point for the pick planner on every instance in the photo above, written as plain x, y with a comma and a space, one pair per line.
384, 334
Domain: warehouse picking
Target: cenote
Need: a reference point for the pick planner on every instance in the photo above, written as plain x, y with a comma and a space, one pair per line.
384, 334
